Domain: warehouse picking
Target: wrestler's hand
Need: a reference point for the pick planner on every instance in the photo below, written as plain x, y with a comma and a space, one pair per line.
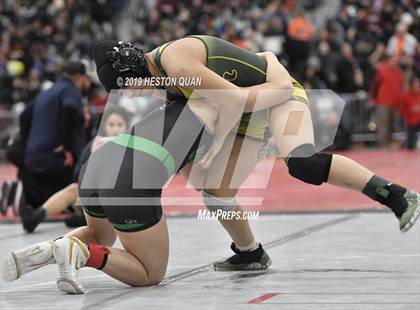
99, 141
68, 156
68, 159
214, 149
266, 54
272, 63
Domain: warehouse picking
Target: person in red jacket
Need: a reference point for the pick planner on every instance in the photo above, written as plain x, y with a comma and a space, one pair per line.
386, 90
410, 110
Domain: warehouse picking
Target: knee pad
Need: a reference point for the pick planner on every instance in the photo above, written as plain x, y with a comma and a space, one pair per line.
313, 169
214, 203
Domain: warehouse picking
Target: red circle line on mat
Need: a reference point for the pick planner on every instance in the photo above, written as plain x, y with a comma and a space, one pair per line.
262, 298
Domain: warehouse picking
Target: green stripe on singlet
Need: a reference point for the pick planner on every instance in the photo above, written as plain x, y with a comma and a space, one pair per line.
148, 147
94, 214
127, 226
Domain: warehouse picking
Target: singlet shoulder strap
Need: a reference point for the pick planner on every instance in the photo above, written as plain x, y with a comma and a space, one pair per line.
157, 53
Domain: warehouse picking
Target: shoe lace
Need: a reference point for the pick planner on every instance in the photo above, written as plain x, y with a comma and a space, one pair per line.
62, 269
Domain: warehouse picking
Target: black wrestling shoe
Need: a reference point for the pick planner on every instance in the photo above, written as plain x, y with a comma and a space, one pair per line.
412, 211
18, 198
75, 221
404, 203
31, 218
247, 260
6, 188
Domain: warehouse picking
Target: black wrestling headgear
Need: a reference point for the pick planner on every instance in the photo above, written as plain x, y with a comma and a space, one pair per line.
118, 60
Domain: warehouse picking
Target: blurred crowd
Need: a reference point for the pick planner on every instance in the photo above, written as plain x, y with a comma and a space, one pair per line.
341, 54
37, 37
361, 49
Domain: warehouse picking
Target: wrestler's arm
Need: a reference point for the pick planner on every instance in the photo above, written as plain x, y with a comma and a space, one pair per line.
186, 58
231, 100
276, 90
98, 141
278, 85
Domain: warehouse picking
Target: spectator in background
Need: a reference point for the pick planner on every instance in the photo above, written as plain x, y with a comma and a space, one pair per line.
327, 57
415, 61
349, 76
385, 91
55, 135
99, 99
312, 78
410, 110
115, 121
402, 43
300, 33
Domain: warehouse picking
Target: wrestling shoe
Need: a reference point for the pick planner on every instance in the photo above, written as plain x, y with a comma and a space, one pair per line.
247, 260
6, 188
18, 199
32, 217
75, 221
412, 211
71, 254
20, 262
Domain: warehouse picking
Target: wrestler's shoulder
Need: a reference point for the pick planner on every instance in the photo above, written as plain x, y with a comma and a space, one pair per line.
187, 48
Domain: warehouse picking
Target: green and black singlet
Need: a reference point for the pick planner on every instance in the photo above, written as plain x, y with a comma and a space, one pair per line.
240, 67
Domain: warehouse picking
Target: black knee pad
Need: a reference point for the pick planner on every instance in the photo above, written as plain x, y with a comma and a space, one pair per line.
313, 169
